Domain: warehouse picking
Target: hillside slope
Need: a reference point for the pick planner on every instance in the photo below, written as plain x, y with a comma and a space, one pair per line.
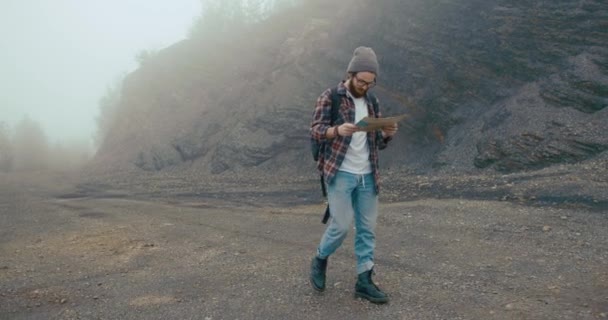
490, 85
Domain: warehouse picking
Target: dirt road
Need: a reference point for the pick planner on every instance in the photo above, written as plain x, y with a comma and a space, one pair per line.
64, 256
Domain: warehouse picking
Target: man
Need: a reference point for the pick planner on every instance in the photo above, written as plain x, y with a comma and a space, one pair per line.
350, 169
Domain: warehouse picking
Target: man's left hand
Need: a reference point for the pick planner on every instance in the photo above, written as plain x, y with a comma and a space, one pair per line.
389, 131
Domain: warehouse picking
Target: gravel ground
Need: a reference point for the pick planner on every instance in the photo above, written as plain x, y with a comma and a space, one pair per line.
120, 252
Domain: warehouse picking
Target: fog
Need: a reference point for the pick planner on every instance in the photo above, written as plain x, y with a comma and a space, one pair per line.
58, 57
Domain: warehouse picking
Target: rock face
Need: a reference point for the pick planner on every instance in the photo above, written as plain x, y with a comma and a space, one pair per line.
489, 85
536, 139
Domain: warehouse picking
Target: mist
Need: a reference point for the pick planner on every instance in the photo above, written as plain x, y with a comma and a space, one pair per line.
59, 58
197, 196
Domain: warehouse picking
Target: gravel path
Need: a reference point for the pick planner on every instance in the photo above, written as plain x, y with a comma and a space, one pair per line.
65, 256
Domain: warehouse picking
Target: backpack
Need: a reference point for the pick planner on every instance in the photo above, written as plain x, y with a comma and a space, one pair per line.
318, 148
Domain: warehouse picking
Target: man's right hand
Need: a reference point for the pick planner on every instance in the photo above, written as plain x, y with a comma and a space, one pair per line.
347, 129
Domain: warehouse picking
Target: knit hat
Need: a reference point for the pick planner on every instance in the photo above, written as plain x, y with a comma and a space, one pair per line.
364, 59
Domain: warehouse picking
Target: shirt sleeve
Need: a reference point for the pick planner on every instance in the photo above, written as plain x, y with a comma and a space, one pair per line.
321, 117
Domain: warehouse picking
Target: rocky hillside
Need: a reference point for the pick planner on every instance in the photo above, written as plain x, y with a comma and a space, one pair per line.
489, 86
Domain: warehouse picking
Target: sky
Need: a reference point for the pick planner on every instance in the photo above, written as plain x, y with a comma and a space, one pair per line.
58, 57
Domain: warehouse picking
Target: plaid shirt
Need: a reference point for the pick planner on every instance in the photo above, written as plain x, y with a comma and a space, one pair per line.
335, 149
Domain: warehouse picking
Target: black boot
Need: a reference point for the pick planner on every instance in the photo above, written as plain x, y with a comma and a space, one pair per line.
317, 273
366, 289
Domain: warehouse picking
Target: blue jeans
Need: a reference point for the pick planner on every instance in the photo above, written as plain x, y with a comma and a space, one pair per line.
352, 196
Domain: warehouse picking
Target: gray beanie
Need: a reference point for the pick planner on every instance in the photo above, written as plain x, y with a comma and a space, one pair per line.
364, 59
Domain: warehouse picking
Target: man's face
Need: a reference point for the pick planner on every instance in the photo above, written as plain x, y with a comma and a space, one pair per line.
361, 82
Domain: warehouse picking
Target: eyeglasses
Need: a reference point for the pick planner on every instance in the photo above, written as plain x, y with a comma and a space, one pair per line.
363, 83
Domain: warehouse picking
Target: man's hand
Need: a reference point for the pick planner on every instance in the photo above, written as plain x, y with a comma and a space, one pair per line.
389, 131
347, 129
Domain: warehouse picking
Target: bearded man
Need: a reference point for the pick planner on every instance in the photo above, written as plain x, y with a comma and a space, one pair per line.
349, 166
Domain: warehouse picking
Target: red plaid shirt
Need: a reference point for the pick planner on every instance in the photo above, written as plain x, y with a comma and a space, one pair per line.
335, 149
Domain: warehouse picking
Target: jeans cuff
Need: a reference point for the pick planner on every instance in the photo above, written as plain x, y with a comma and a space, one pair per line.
365, 267
318, 255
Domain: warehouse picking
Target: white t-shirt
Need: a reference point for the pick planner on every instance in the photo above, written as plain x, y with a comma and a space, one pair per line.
356, 160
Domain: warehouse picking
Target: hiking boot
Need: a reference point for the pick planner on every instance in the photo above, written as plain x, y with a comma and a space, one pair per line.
366, 289
317, 273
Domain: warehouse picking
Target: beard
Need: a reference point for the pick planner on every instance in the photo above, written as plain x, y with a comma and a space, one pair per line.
356, 92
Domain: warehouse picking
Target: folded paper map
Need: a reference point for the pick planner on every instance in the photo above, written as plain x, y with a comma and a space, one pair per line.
370, 124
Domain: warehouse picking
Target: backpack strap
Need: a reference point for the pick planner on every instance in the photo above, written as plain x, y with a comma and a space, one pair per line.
335, 105
374, 101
